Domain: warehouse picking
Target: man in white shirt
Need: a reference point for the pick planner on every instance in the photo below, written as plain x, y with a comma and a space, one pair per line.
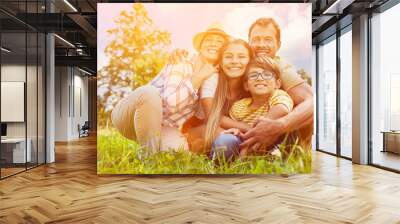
264, 38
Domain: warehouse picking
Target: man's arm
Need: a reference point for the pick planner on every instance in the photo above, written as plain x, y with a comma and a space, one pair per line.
275, 112
268, 130
303, 112
227, 123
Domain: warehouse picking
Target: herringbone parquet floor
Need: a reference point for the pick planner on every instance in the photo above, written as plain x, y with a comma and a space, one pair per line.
69, 191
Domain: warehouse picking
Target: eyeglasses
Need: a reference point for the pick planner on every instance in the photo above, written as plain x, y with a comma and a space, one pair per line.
264, 75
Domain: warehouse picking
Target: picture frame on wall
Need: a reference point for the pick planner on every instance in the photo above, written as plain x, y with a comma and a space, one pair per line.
204, 88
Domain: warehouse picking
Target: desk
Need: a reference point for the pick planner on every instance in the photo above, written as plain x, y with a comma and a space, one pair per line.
391, 141
13, 150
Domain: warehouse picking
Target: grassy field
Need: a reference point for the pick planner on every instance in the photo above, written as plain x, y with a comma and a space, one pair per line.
118, 155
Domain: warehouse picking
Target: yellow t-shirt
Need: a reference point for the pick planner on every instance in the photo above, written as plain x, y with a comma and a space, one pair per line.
240, 110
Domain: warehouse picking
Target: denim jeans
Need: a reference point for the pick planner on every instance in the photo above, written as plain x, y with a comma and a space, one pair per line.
225, 147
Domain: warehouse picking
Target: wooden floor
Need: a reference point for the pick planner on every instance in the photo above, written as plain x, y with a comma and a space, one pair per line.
387, 159
70, 191
10, 171
5, 172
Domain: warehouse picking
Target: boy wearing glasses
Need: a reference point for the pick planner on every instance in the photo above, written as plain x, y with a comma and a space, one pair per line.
262, 81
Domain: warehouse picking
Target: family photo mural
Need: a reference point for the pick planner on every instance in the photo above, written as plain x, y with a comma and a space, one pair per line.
221, 88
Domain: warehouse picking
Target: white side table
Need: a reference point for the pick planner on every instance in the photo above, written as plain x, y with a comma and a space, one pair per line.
19, 155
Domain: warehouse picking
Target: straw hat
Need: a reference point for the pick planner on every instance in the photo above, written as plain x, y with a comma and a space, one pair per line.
214, 28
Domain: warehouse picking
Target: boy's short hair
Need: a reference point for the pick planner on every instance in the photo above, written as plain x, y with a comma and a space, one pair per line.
265, 63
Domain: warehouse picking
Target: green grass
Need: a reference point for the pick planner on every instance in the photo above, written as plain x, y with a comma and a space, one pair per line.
118, 155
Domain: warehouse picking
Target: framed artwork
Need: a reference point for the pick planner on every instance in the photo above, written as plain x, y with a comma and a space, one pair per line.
204, 88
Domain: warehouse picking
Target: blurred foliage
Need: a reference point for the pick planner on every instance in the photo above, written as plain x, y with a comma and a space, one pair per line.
304, 75
136, 54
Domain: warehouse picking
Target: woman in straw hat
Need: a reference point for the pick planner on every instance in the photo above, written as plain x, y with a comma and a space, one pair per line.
153, 114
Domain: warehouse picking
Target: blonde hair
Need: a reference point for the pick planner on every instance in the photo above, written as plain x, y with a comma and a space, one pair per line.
219, 104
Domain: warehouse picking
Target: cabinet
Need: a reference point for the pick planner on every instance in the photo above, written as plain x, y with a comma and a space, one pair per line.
13, 150
391, 141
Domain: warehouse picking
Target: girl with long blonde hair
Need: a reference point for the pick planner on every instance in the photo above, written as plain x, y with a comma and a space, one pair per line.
233, 60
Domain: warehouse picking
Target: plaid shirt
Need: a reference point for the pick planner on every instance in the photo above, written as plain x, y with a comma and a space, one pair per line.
179, 98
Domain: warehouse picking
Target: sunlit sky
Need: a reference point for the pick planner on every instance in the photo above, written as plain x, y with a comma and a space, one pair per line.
185, 20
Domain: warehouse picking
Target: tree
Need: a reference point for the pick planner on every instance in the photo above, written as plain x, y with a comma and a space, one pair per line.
136, 54
304, 75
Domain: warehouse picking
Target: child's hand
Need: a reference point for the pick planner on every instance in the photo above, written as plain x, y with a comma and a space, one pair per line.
246, 128
243, 152
233, 131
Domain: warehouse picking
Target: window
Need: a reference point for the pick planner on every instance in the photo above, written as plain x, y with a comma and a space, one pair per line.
327, 96
385, 89
22, 74
346, 93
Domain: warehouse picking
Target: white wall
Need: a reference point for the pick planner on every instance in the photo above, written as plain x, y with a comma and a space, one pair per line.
71, 93
62, 81
14, 73
360, 90
50, 93
80, 100
33, 127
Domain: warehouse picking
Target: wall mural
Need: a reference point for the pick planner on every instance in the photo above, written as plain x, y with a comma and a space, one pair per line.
204, 88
